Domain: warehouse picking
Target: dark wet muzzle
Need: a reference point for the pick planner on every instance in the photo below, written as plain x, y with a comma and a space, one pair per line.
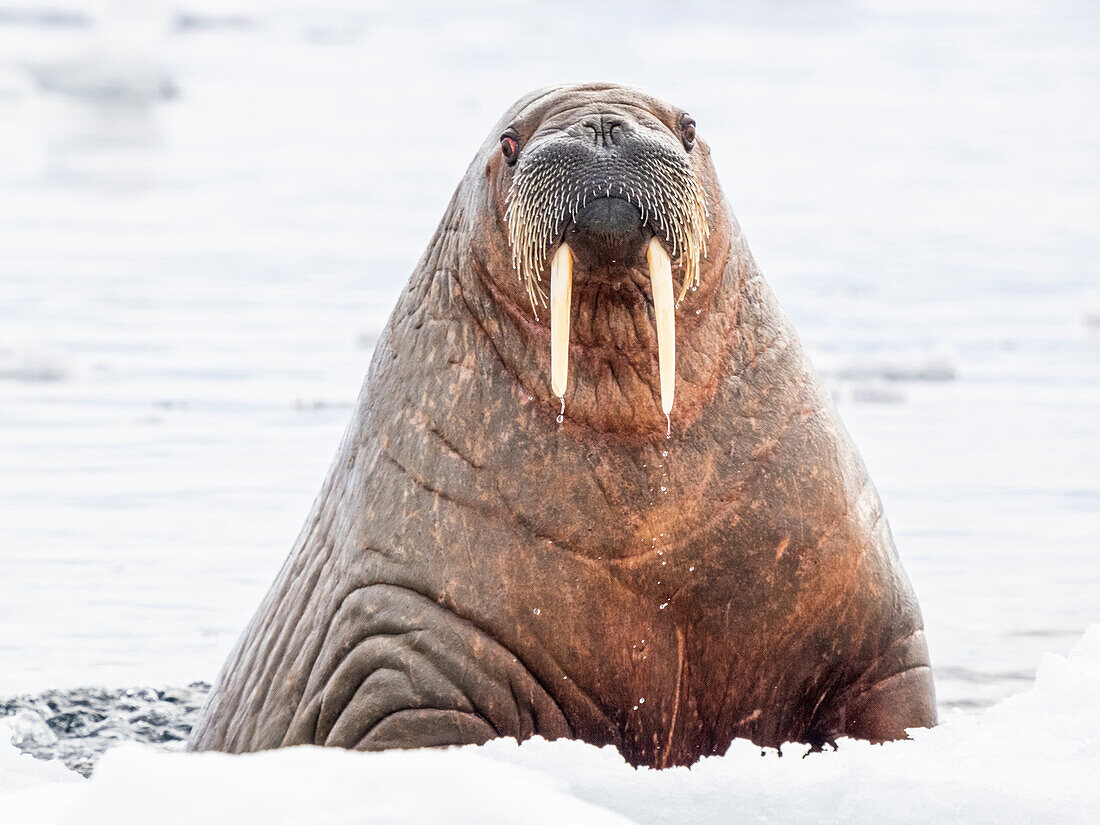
612, 217
605, 185
608, 231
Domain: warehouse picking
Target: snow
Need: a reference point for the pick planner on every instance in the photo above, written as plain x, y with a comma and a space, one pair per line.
19, 771
1034, 757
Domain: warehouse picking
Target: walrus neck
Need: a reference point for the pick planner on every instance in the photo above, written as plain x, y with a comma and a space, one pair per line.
458, 399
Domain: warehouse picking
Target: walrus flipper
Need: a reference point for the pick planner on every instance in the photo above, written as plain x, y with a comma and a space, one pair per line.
895, 695
398, 670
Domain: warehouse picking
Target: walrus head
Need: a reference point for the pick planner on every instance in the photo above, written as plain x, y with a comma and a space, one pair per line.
606, 211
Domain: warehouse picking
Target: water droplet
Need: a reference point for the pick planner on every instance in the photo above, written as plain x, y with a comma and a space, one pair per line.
698, 311
663, 605
664, 489
536, 611
561, 418
641, 701
694, 288
664, 454
691, 569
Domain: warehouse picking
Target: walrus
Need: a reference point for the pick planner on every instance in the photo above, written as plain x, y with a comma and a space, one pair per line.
592, 488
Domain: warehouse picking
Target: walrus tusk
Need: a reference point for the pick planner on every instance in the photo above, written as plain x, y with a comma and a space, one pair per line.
561, 293
660, 276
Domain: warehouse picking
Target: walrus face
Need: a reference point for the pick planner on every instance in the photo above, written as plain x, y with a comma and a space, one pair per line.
607, 193
603, 185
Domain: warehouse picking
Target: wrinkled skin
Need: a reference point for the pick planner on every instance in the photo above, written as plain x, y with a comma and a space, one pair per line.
473, 569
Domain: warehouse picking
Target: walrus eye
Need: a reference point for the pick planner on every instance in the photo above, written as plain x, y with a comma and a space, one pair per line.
509, 147
687, 132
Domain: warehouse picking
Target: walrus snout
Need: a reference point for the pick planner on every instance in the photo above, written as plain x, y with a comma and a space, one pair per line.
605, 185
609, 232
613, 217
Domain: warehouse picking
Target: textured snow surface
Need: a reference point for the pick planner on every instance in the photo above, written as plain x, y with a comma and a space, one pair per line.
1032, 758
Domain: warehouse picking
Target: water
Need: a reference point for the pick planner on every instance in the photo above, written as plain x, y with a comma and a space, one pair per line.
209, 213
78, 725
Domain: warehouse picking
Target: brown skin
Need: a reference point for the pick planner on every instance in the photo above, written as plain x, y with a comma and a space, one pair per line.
473, 569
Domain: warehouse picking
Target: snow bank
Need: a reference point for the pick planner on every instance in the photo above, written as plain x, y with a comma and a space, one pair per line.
1032, 758
19, 771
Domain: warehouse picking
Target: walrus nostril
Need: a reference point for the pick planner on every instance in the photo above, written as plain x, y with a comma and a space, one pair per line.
609, 216
604, 131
